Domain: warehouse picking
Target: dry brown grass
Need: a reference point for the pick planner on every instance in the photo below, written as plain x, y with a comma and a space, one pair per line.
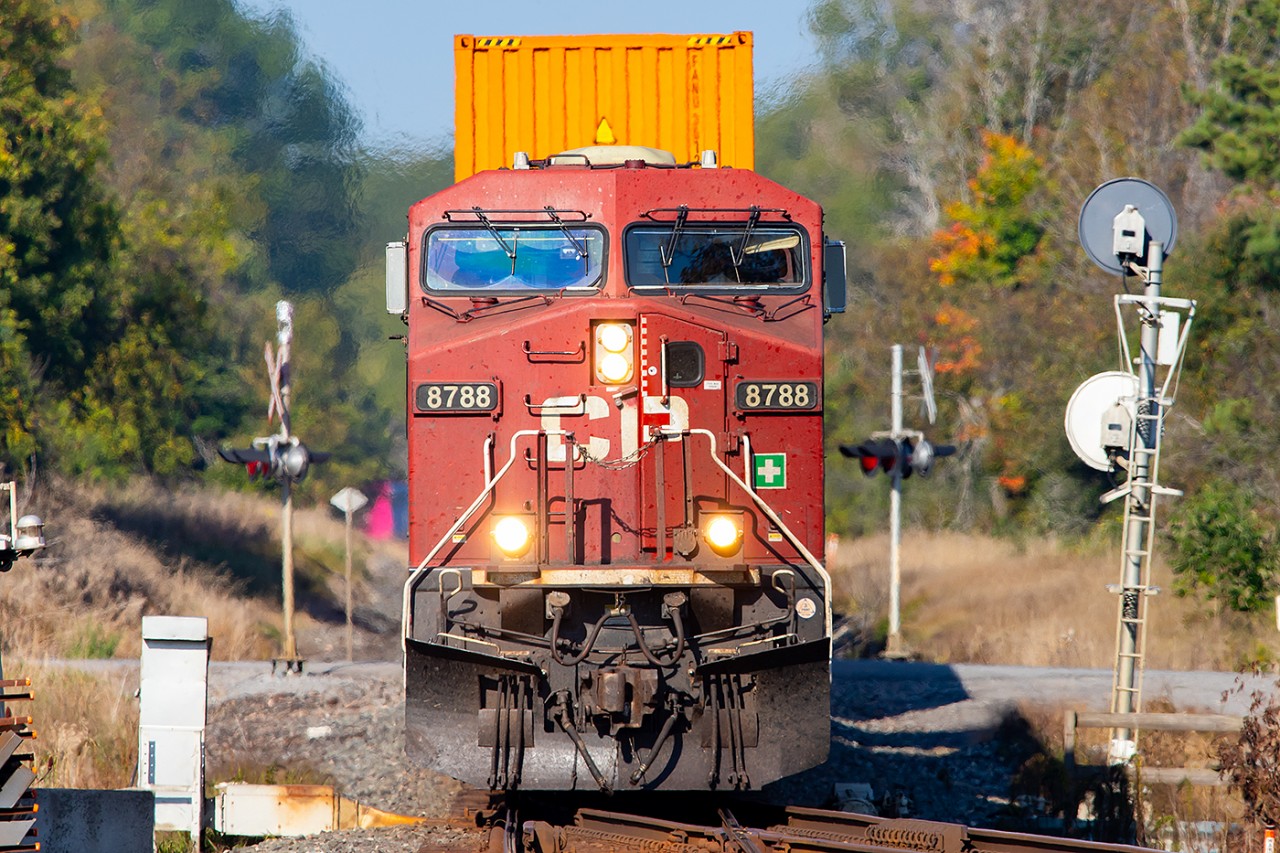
982, 600
87, 725
86, 594
117, 555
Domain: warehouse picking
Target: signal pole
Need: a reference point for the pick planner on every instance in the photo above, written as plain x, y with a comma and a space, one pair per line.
1138, 535
899, 453
284, 458
284, 336
893, 644
1127, 225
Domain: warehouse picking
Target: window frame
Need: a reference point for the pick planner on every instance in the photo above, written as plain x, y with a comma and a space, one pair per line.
803, 252
523, 225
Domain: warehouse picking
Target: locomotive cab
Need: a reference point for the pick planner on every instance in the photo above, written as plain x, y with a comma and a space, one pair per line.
616, 475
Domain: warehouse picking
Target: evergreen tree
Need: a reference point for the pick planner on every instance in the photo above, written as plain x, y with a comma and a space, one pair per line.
1239, 123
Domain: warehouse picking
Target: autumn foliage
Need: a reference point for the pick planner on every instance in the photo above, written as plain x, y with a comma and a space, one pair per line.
996, 229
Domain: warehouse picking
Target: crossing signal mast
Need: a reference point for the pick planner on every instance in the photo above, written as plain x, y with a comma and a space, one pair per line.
284, 458
899, 453
1115, 420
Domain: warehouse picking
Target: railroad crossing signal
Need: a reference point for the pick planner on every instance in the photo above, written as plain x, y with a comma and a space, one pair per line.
284, 458
904, 456
770, 471
899, 453
874, 455
276, 458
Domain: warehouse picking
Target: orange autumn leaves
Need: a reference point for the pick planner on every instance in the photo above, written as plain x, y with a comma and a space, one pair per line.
990, 245
997, 230
991, 248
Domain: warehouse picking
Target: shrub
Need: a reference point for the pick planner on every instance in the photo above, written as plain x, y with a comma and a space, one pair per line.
1222, 548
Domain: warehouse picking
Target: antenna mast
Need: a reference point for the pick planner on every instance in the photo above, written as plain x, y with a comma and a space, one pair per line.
1125, 224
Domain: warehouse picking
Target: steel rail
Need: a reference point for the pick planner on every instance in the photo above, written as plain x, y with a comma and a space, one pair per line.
806, 831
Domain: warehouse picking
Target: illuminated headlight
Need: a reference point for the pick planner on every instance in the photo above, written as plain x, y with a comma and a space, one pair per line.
723, 534
615, 368
511, 535
614, 337
614, 354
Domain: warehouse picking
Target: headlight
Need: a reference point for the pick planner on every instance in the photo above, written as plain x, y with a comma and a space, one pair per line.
614, 353
511, 535
723, 534
614, 337
614, 369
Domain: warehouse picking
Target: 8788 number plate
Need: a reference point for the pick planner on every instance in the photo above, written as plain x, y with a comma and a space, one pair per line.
456, 397
776, 395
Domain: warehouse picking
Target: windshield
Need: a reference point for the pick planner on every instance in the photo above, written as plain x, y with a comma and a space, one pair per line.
513, 258
722, 256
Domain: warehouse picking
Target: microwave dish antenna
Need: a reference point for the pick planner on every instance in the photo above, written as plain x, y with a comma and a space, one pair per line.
1121, 219
1100, 416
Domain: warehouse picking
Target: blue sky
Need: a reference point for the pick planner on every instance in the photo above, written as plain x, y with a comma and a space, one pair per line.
396, 56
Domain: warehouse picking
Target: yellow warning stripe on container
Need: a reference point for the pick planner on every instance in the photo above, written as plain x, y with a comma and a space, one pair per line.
709, 41
498, 42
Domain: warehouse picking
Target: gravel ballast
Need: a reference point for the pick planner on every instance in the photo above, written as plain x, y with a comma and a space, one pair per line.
926, 738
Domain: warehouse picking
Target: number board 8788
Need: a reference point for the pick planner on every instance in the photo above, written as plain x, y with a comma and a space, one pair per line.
456, 397
777, 395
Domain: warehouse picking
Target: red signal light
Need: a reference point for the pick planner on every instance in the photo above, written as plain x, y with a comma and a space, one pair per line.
882, 454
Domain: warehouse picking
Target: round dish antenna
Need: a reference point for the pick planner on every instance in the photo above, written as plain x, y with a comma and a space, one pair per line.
1100, 417
1121, 218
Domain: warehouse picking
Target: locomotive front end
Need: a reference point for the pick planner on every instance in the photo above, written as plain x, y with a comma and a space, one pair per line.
615, 450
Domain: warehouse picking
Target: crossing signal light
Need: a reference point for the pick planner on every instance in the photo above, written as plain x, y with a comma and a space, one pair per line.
874, 454
924, 453
904, 456
276, 459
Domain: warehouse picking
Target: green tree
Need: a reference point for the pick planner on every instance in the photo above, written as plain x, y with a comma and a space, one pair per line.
1240, 112
285, 119
1239, 122
17, 391
1223, 549
58, 229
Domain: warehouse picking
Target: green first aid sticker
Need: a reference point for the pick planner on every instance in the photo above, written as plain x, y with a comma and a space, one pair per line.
770, 471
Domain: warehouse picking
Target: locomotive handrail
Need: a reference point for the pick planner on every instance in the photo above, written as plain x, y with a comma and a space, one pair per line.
416, 577
773, 516
538, 408
581, 350
649, 214
556, 214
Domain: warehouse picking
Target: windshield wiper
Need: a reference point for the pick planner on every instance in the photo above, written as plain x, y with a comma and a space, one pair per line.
741, 255
668, 253
577, 245
493, 230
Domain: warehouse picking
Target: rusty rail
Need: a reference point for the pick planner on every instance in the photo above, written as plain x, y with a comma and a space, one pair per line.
805, 831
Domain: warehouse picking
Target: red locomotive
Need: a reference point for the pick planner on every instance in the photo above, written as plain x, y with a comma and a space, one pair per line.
615, 475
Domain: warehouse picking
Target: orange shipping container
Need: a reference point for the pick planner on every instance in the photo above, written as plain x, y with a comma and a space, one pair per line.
546, 94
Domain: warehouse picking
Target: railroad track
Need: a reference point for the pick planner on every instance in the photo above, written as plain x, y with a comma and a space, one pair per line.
802, 831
